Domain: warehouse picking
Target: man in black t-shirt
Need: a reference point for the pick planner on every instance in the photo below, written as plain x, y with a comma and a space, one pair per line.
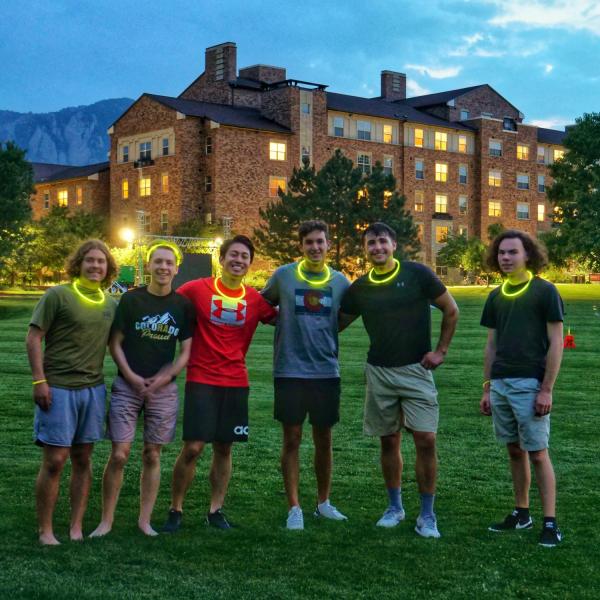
394, 301
147, 325
522, 358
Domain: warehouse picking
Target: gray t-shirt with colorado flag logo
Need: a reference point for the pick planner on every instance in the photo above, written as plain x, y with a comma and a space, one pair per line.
306, 334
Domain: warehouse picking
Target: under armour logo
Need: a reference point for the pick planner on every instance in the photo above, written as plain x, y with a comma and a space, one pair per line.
240, 430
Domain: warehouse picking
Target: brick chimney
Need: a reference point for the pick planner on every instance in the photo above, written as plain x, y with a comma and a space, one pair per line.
220, 62
393, 85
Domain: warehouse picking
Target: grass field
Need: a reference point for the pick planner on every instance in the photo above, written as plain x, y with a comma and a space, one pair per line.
260, 559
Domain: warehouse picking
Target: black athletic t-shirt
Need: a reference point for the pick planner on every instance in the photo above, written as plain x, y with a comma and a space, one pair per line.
396, 314
520, 323
151, 326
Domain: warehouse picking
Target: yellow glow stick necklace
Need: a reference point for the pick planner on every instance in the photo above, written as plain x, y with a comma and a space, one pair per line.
222, 293
388, 278
87, 298
518, 292
313, 281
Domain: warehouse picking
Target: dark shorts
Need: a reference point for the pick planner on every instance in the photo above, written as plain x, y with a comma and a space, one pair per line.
214, 413
320, 398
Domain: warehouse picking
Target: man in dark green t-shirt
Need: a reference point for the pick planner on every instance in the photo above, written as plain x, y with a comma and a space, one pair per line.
73, 321
524, 317
394, 300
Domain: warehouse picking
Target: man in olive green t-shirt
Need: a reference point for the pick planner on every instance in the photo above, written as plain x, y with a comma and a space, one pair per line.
68, 384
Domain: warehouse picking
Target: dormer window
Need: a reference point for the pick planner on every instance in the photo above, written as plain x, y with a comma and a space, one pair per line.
509, 124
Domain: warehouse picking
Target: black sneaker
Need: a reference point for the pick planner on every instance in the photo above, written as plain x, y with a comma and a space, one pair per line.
218, 520
550, 536
173, 521
512, 522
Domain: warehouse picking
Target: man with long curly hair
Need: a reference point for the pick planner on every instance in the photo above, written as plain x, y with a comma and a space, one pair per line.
524, 317
73, 320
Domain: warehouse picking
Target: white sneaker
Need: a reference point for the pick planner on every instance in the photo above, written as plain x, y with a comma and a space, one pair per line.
427, 527
295, 518
327, 510
391, 517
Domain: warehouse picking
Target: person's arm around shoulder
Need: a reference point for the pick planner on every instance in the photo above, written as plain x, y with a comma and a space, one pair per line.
488, 358
271, 290
446, 303
349, 308
42, 395
543, 401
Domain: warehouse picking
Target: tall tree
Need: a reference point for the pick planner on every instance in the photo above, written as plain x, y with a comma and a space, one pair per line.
16, 187
576, 191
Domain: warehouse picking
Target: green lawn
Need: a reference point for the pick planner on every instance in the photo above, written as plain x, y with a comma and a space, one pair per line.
260, 559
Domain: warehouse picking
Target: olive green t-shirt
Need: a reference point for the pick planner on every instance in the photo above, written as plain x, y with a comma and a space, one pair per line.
76, 335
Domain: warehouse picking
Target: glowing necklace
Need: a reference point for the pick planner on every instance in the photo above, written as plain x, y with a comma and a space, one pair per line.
222, 293
388, 278
313, 281
518, 292
87, 298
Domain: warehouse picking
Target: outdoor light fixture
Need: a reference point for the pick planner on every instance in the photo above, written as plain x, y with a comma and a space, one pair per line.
218, 241
127, 234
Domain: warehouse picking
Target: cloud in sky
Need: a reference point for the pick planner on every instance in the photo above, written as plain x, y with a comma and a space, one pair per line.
548, 68
551, 122
435, 73
414, 89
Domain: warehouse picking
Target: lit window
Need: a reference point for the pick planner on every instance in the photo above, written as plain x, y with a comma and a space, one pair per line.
145, 186
495, 178
464, 114
462, 173
441, 171
495, 148
388, 165
362, 193
541, 213
522, 152
462, 144
441, 203
165, 147
541, 183
522, 181
338, 126
305, 108
364, 163
387, 134
441, 140
441, 234
558, 154
145, 150
63, 197
363, 130
276, 184
419, 169
418, 138
494, 208
522, 211
208, 145
164, 221
46, 200
419, 200
125, 153
386, 198
541, 155
79, 195
463, 205
277, 150
125, 189
164, 181
208, 183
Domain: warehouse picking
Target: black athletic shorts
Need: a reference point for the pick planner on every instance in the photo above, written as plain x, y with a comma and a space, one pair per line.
214, 413
320, 398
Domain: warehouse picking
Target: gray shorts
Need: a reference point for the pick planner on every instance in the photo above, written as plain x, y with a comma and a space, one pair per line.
74, 417
160, 413
400, 396
513, 413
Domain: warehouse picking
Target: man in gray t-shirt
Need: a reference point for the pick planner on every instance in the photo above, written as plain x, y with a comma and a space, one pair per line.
306, 370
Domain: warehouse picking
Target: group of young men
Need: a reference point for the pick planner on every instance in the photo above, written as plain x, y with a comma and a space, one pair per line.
214, 319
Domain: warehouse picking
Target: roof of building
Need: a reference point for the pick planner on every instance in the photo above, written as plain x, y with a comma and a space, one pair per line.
438, 98
225, 114
391, 110
45, 172
550, 136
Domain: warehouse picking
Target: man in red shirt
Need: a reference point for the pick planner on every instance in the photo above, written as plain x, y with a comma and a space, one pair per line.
216, 390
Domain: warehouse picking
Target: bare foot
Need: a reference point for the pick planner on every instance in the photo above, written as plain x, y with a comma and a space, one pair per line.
48, 539
101, 530
76, 535
147, 528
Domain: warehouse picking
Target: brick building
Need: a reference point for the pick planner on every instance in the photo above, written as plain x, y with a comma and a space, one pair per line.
221, 149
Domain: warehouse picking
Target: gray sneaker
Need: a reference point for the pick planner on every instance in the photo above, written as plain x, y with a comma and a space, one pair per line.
391, 517
327, 510
295, 518
427, 527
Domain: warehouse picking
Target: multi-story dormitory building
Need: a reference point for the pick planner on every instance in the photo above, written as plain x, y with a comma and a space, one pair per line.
221, 149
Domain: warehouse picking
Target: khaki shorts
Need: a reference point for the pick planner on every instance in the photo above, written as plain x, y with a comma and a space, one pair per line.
400, 396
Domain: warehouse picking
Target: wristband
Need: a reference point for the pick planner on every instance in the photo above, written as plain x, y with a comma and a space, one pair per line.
487, 381
39, 381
